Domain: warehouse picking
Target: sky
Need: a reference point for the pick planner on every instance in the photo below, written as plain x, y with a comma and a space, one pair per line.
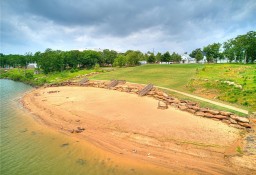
145, 25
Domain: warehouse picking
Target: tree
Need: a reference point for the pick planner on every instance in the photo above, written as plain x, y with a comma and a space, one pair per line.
151, 58
166, 57
241, 48
108, 57
89, 58
158, 57
133, 57
120, 61
194, 52
199, 56
212, 52
175, 57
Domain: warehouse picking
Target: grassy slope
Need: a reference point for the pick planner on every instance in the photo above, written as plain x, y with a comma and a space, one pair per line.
171, 76
210, 81
191, 78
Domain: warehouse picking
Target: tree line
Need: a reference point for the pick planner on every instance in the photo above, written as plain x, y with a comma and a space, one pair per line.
239, 49
57, 60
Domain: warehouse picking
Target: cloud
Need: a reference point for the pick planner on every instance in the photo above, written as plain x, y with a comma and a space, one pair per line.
29, 25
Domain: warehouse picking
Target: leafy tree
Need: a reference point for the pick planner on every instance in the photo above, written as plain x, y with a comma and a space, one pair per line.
175, 57
241, 48
158, 57
108, 57
151, 58
212, 52
194, 52
89, 58
120, 61
166, 57
199, 56
133, 57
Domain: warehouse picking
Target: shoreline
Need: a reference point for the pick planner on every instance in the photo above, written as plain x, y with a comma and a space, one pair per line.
124, 136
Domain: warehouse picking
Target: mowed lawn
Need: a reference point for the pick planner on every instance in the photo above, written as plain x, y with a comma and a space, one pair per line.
202, 80
175, 76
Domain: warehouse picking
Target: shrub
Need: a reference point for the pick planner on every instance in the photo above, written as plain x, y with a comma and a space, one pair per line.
29, 75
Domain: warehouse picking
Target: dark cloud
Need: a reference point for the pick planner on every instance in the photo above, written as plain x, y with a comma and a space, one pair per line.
171, 21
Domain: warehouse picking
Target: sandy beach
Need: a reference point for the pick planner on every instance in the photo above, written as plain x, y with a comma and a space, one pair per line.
132, 127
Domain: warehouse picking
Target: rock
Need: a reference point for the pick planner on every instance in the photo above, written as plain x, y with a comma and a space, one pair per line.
193, 107
159, 93
151, 93
165, 95
191, 103
191, 111
182, 104
253, 120
220, 117
183, 108
203, 110
240, 119
200, 114
162, 105
208, 115
226, 121
246, 125
232, 121
236, 126
213, 112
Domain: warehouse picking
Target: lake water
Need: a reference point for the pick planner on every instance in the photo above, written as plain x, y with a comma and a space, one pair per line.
30, 148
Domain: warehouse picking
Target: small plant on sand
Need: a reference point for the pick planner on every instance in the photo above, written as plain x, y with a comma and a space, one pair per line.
239, 150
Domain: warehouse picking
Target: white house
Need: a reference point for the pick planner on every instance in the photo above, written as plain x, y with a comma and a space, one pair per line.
31, 66
186, 59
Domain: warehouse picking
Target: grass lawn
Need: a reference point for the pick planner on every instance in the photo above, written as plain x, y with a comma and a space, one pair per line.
175, 76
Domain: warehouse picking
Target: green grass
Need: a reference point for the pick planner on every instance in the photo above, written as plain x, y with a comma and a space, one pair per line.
202, 80
40, 79
210, 80
174, 76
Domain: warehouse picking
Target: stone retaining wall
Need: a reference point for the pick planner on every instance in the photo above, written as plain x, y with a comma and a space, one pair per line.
184, 105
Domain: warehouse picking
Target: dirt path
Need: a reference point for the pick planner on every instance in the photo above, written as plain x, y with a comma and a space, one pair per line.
133, 127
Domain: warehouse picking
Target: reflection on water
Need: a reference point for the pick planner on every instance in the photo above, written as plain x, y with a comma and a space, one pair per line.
28, 147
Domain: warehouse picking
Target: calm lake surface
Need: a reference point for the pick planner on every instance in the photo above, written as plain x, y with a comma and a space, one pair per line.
30, 148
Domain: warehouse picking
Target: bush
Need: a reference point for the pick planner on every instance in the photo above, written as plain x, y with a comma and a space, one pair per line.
29, 75
16, 77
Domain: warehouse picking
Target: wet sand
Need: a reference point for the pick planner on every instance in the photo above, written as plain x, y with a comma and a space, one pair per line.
132, 127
